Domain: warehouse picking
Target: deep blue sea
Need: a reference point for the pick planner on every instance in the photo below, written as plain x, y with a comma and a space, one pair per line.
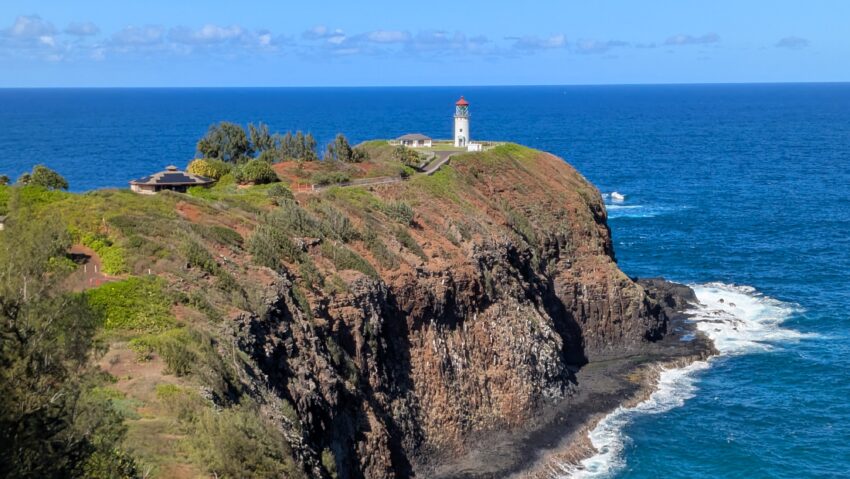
742, 191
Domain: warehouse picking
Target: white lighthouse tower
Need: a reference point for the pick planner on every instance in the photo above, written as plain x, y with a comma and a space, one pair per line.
462, 123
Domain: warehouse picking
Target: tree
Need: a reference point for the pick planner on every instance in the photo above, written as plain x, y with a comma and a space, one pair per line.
227, 142
44, 177
256, 171
52, 423
340, 150
261, 139
211, 168
4, 180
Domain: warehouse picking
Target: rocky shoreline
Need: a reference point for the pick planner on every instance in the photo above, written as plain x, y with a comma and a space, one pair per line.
559, 435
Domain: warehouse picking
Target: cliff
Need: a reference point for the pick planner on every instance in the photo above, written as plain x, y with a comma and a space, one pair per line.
376, 331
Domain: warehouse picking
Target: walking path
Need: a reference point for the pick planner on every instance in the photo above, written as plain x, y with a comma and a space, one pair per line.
88, 274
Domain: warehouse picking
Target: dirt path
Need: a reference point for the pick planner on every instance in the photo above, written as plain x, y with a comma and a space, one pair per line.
89, 272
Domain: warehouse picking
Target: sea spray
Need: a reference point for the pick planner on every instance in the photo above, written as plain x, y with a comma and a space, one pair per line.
738, 319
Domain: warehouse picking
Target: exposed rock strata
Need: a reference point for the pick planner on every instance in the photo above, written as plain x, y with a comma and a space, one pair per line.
407, 369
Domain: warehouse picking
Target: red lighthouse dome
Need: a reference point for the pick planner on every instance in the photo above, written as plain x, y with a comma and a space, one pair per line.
462, 102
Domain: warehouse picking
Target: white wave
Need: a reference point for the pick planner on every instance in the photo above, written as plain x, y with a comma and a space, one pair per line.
738, 319
618, 197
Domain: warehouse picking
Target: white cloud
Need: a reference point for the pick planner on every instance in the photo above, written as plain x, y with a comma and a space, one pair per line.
82, 29
792, 43
534, 42
208, 34
682, 39
388, 36
591, 47
29, 27
139, 36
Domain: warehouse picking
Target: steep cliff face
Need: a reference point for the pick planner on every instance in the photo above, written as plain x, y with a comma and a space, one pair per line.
502, 285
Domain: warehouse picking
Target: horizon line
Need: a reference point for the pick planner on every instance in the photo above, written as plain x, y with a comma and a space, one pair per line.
515, 85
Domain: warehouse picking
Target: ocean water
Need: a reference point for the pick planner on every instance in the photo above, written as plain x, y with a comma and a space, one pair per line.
742, 191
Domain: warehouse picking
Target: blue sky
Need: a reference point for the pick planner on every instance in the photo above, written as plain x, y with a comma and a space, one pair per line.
45, 43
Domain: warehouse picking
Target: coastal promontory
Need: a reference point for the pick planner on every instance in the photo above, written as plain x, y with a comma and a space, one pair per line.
460, 321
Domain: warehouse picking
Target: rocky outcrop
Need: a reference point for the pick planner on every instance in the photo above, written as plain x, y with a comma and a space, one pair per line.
405, 367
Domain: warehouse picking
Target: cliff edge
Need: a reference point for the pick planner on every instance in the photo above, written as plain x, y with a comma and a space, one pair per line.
377, 332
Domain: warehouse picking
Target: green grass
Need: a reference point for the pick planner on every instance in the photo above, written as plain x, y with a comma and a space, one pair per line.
134, 304
444, 183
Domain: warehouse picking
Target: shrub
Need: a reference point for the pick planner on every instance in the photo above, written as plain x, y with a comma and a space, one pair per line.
344, 258
399, 211
268, 245
198, 257
403, 237
379, 250
329, 463
331, 177
209, 167
407, 156
239, 442
136, 304
175, 347
257, 172
336, 225
278, 191
112, 256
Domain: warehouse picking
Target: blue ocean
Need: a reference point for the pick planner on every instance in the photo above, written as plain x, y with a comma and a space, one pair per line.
742, 191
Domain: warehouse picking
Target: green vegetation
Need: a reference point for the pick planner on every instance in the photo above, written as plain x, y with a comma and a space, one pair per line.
341, 150
399, 211
240, 442
220, 234
257, 172
134, 304
50, 423
344, 258
111, 255
324, 178
44, 177
174, 346
230, 143
209, 167
403, 237
407, 156
442, 184
227, 142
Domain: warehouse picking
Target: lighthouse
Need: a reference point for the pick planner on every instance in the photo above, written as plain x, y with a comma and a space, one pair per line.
462, 123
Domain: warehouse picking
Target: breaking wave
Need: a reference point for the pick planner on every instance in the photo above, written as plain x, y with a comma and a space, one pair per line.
739, 320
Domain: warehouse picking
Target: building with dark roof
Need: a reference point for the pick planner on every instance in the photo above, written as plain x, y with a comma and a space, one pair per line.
414, 140
170, 179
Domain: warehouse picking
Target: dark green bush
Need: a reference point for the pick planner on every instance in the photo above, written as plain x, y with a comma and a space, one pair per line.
258, 172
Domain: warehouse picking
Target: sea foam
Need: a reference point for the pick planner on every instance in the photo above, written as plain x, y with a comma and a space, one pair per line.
739, 320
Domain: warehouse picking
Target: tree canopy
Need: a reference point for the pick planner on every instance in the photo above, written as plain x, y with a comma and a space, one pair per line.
227, 142
51, 422
44, 177
341, 150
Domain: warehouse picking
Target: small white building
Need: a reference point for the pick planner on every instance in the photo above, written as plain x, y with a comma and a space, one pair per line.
461, 123
414, 140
